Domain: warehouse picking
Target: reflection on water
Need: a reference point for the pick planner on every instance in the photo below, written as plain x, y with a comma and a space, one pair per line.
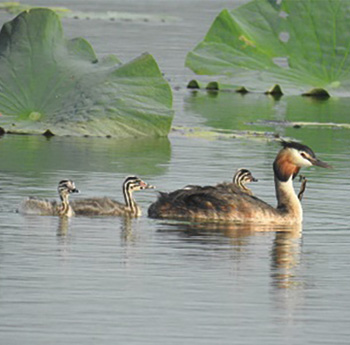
285, 249
37, 154
63, 226
285, 258
227, 110
127, 234
231, 230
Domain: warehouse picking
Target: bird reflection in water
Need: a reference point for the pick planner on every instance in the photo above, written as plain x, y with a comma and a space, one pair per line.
63, 238
285, 259
127, 234
63, 226
285, 250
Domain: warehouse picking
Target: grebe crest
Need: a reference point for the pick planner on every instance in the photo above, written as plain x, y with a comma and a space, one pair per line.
225, 204
108, 207
51, 208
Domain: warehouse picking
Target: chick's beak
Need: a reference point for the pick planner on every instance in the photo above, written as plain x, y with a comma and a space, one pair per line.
145, 185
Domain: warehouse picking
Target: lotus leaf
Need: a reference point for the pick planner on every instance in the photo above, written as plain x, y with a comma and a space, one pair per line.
302, 46
52, 85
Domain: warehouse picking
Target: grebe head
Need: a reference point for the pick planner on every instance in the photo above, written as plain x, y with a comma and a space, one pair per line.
66, 187
134, 183
292, 157
243, 176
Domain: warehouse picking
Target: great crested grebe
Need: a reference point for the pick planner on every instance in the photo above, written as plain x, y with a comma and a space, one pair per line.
51, 208
238, 184
241, 177
225, 204
107, 207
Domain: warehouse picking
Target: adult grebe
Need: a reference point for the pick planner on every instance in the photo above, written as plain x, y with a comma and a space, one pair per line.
51, 208
226, 204
107, 207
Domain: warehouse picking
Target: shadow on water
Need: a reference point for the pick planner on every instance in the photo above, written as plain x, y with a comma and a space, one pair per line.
259, 112
37, 154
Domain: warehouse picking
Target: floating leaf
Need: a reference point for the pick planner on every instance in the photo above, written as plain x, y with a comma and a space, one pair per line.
212, 134
49, 84
301, 45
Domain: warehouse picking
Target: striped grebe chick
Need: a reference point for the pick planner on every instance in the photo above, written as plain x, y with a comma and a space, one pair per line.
44, 207
238, 184
241, 177
224, 204
108, 207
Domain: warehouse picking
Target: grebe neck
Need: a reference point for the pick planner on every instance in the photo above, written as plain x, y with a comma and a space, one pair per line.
285, 170
244, 188
130, 202
287, 200
64, 208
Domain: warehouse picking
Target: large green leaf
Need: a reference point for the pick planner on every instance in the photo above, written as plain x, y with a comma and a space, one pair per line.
51, 84
299, 45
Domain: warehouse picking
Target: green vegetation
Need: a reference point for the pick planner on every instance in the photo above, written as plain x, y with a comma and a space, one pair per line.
52, 85
303, 46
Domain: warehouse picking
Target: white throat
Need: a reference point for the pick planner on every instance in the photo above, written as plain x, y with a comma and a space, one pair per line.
288, 201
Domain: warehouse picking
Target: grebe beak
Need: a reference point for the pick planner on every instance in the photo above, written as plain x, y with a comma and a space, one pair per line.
75, 190
144, 185
317, 162
253, 179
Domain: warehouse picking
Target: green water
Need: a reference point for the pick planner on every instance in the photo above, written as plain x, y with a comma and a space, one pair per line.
258, 112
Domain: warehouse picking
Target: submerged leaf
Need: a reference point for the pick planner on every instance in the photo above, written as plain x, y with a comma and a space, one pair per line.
49, 84
300, 45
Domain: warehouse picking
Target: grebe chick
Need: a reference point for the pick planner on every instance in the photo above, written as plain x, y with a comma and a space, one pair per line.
241, 177
51, 208
107, 207
221, 203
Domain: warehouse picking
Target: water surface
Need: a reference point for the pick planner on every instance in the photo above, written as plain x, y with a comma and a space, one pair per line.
144, 281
